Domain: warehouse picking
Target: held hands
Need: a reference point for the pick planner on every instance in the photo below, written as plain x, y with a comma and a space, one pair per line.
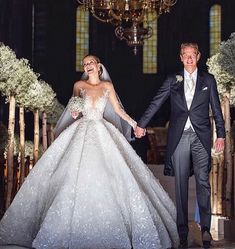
139, 132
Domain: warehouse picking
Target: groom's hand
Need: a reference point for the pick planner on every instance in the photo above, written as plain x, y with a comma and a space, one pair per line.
139, 132
219, 145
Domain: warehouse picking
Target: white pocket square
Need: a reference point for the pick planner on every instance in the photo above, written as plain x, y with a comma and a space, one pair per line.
205, 88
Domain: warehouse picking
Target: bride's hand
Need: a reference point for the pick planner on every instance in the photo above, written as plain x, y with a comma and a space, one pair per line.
74, 114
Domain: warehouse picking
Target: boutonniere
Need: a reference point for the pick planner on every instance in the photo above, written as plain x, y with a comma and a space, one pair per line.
179, 78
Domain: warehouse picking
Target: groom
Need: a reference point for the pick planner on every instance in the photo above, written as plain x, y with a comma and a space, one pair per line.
192, 93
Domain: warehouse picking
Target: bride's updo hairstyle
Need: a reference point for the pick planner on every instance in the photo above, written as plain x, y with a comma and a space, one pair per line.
97, 59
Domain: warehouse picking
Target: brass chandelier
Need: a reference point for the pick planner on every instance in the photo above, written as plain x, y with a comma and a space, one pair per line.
129, 16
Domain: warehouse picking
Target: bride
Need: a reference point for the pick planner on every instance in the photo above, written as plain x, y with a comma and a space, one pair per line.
90, 190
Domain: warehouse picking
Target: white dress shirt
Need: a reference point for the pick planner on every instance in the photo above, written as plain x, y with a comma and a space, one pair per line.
189, 90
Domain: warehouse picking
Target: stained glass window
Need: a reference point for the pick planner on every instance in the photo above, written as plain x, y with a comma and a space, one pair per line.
82, 37
150, 49
215, 28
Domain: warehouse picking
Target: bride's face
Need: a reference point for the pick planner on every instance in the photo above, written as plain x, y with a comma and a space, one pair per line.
90, 65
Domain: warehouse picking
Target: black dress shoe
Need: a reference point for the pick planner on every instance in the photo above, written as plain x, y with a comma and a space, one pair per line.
183, 243
206, 239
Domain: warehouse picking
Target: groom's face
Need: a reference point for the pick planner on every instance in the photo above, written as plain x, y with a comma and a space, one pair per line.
189, 57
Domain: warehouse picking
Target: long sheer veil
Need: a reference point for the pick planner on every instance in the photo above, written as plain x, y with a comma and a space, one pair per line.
109, 114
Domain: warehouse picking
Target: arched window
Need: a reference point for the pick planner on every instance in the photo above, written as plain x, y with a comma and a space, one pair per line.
82, 37
150, 49
215, 28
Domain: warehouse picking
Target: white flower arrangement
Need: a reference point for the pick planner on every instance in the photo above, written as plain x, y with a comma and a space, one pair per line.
76, 104
39, 96
227, 55
179, 78
18, 79
13, 75
225, 81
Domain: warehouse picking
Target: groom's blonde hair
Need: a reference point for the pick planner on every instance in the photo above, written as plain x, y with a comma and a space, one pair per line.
189, 44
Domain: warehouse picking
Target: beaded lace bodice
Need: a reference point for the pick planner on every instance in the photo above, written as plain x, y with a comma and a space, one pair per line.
94, 105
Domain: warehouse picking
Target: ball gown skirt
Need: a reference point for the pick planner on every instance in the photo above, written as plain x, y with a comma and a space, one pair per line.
90, 190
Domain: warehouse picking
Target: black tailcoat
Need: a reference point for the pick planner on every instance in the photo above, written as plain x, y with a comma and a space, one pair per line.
205, 98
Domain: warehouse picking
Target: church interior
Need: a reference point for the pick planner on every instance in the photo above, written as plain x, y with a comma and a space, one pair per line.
54, 36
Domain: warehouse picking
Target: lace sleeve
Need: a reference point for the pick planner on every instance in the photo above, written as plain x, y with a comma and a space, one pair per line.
117, 107
126, 117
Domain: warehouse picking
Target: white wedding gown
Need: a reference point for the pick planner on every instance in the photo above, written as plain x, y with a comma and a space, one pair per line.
90, 190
